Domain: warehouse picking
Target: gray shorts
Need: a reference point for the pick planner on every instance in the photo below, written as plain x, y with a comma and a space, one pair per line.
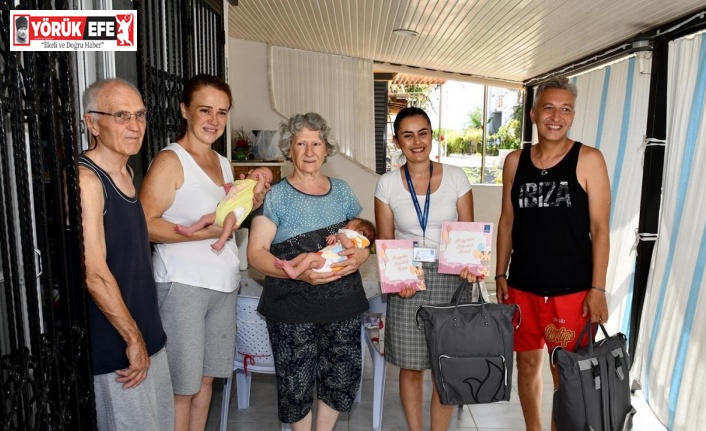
405, 343
148, 407
200, 327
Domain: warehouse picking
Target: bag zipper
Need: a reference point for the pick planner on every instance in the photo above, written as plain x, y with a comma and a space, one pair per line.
505, 371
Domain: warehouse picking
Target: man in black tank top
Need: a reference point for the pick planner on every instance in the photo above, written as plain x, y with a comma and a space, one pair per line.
553, 240
133, 389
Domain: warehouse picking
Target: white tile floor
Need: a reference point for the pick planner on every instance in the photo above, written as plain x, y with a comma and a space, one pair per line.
262, 414
505, 416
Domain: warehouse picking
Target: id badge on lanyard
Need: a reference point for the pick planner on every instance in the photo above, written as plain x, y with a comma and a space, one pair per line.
423, 253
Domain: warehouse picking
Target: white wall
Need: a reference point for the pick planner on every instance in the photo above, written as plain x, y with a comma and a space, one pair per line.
253, 111
248, 81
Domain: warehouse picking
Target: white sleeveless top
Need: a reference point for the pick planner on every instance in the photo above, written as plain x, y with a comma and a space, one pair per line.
195, 262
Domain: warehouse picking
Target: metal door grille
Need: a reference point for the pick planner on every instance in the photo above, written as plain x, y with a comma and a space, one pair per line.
45, 371
45, 376
178, 40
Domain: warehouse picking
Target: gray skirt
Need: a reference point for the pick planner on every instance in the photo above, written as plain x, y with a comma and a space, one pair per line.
405, 344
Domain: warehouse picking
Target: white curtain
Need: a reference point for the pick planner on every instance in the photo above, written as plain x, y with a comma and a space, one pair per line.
611, 114
671, 346
339, 88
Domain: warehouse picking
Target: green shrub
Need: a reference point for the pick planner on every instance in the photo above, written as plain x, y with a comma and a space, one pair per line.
506, 138
473, 175
454, 145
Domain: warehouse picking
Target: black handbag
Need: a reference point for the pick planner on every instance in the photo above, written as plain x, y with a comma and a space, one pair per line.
470, 348
594, 384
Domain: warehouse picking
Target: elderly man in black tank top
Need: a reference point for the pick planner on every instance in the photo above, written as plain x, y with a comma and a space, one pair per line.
130, 370
553, 240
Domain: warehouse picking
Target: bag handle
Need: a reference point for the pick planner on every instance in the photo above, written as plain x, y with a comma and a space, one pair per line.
456, 298
456, 301
588, 329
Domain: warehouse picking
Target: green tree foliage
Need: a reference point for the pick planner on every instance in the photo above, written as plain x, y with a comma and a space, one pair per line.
509, 134
473, 175
415, 94
506, 138
517, 116
462, 142
475, 119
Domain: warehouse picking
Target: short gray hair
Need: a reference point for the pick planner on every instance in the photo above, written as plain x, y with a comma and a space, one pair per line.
559, 83
93, 92
289, 129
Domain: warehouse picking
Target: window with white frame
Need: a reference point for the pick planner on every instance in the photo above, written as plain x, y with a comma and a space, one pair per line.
475, 125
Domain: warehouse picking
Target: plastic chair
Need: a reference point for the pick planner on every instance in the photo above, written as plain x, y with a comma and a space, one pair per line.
253, 354
378, 304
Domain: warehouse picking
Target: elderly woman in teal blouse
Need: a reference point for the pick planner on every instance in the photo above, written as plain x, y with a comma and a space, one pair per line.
314, 320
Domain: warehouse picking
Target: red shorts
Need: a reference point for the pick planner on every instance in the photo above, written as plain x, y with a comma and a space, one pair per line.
554, 321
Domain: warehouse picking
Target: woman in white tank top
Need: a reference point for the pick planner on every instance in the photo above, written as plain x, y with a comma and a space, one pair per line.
197, 286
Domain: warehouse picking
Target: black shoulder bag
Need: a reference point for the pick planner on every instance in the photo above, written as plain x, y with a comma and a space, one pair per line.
594, 384
470, 348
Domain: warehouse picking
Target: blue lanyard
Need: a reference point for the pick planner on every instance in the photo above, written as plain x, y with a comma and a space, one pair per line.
422, 217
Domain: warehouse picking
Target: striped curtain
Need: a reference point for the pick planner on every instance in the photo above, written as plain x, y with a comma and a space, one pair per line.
611, 114
339, 88
670, 357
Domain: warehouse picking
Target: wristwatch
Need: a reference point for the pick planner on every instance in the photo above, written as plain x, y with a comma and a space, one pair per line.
500, 276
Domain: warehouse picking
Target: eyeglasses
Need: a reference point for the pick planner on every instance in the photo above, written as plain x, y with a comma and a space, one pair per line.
123, 117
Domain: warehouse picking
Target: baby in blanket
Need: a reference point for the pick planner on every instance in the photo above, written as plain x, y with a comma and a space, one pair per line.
233, 209
357, 233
